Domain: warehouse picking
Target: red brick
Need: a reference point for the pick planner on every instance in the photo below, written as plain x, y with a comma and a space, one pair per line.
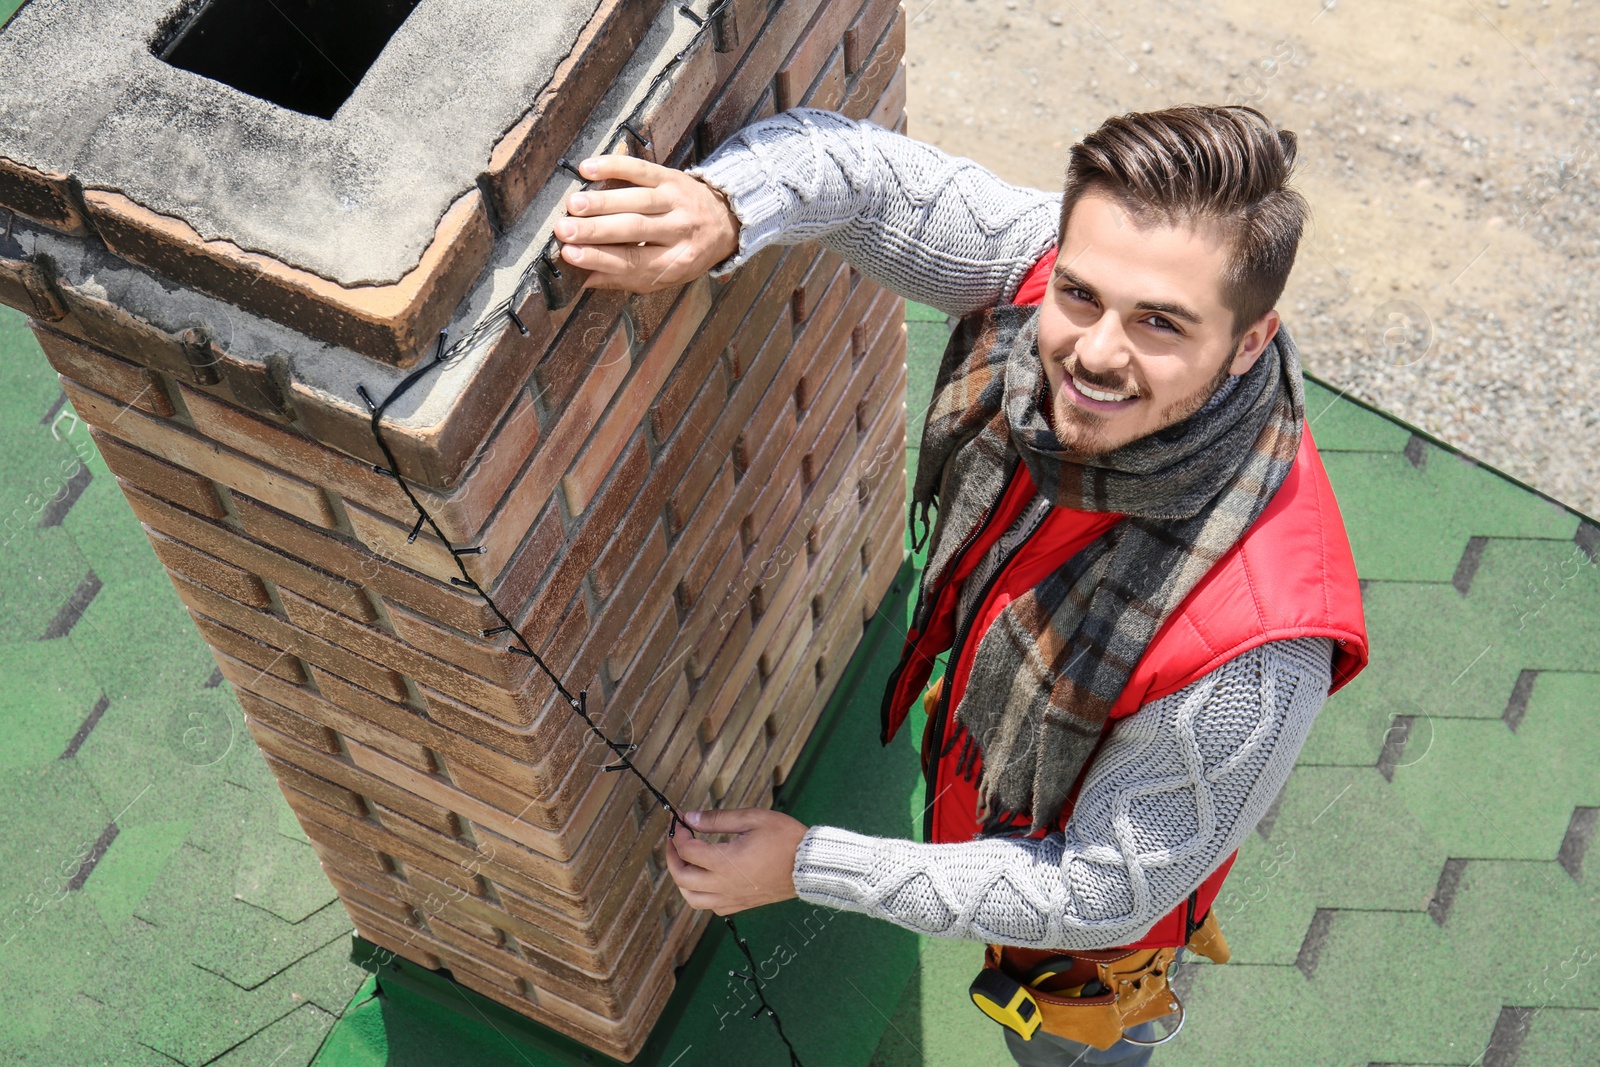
812, 51
343, 835
826, 378
311, 707
782, 477
516, 825
880, 69
363, 650
779, 546
522, 162
767, 51
101, 371
355, 564
390, 907
670, 113
708, 540
259, 386
486, 657
585, 345
17, 285
624, 534
641, 636
209, 571
194, 453
701, 634
815, 283
292, 776
267, 443
828, 91
437, 456
739, 735
891, 106
287, 722
717, 443
410, 736
626, 412
730, 303
184, 488
281, 635
751, 338
647, 311
552, 732
782, 599
224, 543
862, 36
527, 496
352, 780
264, 658
755, 386
462, 514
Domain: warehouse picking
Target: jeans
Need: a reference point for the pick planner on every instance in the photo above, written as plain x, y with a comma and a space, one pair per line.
1048, 1050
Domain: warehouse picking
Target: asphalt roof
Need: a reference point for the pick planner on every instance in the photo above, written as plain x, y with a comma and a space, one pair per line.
1419, 894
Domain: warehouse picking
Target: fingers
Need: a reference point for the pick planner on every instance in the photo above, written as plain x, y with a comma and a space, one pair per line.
686, 874
694, 883
592, 202
631, 266
731, 821
630, 169
701, 854
622, 229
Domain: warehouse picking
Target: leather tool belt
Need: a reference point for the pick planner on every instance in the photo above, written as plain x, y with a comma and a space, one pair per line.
1088, 997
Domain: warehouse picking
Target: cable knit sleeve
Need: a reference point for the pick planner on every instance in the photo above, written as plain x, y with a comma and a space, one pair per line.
1173, 791
932, 227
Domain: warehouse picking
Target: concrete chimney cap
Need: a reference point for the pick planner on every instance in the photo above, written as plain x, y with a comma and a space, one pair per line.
354, 198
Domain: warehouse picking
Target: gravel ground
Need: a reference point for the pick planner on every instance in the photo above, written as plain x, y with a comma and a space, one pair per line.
1450, 151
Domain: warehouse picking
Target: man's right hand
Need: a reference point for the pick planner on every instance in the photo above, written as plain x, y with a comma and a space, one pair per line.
668, 229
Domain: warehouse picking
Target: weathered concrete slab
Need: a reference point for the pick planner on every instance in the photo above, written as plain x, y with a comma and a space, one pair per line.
354, 198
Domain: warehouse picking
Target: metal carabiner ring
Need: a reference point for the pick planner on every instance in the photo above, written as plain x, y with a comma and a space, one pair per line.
1182, 1015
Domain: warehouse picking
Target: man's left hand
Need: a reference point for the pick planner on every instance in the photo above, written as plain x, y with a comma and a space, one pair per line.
755, 868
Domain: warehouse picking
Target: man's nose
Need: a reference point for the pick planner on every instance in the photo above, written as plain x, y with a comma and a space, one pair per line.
1104, 346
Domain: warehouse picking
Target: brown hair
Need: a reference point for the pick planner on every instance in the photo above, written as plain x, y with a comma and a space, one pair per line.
1197, 163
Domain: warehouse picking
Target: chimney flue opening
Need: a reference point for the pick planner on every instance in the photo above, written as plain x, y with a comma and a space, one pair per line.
303, 55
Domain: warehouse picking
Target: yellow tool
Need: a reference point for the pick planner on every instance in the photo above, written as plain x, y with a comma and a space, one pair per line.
1007, 1002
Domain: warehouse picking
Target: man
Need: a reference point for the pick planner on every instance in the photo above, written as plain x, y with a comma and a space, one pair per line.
1138, 568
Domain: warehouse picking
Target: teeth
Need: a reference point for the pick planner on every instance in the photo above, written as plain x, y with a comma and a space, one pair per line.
1098, 394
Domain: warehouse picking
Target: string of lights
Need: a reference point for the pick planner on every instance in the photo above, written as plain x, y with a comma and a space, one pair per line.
539, 275
753, 979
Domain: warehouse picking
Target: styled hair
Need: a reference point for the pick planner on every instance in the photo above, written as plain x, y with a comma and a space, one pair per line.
1196, 164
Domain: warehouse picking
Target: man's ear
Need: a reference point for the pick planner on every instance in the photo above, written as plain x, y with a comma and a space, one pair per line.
1254, 342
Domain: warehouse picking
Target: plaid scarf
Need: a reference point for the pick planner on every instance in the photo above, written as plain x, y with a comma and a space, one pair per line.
1046, 673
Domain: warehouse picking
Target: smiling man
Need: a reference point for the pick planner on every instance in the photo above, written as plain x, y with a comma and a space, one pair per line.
1138, 578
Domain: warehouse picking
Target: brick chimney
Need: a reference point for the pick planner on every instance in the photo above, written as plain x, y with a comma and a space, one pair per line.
243, 218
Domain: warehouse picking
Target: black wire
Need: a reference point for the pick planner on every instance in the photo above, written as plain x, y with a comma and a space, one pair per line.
754, 981
505, 313
522, 647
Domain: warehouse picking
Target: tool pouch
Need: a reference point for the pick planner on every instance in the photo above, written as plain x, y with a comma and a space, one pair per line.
1134, 980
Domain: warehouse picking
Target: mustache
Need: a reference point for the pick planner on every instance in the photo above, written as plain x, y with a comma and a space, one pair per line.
1094, 381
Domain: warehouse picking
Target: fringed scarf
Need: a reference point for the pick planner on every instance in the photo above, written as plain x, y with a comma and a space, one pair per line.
1047, 672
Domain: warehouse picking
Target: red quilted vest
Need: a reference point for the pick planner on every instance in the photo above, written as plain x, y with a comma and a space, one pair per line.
1291, 575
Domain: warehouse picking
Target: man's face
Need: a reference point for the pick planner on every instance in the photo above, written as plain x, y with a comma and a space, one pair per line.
1135, 316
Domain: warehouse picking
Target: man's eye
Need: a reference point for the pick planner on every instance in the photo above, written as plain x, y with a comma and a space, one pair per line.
1161, 323
1074, 293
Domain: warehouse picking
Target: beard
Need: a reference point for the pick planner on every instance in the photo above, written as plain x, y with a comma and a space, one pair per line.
1083, 431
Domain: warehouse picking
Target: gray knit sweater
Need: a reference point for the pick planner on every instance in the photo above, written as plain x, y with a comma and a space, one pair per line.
1178, 784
